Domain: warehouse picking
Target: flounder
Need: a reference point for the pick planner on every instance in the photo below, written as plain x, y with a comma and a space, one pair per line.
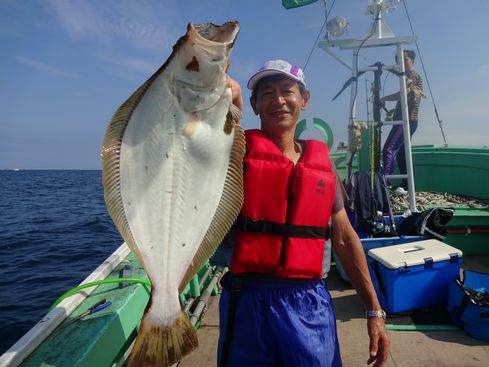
173, 181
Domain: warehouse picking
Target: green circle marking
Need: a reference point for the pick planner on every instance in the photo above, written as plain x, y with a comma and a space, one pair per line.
319, 124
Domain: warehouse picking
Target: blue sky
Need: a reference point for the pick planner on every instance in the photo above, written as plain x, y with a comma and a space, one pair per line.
67, 65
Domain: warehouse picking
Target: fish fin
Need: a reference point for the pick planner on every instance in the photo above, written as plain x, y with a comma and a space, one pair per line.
163, 346
233, 117
236, 114
228, 209
111, 149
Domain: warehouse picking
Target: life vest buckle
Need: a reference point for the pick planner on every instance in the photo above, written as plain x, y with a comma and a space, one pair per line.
259, 226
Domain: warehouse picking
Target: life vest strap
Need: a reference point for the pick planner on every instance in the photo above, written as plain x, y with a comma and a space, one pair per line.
247, 224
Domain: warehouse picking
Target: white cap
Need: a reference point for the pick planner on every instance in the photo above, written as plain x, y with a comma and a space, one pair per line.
273, 67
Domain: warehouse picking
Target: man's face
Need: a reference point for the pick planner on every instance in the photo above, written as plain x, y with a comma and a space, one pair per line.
408, 63
279, 103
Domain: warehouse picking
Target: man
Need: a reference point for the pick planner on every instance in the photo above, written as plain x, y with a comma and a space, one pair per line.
394, 145
274, 309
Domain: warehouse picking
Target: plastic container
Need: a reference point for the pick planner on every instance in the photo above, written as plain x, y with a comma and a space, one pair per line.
370, 243
413, 275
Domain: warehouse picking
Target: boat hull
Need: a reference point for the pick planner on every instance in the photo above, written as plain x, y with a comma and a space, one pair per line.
457, 170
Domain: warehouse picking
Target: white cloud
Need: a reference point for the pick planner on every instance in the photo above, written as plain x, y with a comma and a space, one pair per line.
132, 69
45, 68
135, 65
138, 22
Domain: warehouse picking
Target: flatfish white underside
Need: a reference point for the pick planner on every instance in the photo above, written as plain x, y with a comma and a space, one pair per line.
170, 173
173, 181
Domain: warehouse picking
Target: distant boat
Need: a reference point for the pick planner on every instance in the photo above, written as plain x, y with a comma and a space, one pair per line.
16, 169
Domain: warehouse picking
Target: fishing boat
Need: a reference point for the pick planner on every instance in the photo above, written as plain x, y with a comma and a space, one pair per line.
451, 177
74, 333
64, 337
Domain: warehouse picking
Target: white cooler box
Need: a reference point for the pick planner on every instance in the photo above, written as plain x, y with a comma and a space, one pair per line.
413, 275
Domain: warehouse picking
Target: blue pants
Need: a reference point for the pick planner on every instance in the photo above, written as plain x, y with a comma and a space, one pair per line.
279, 323
394, 148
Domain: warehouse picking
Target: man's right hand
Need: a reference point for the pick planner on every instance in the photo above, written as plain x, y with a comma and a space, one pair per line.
236, 90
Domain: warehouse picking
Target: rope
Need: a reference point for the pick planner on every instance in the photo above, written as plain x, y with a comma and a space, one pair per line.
425, 75
356, 58
319, 33
79, 288
422, 327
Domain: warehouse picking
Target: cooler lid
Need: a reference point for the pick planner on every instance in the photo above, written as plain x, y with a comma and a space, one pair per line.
413, 253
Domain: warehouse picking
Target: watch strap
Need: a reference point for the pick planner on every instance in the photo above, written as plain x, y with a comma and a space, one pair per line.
375, 313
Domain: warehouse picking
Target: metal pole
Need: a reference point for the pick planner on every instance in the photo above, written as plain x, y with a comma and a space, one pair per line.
352, 117
376, 120
407, 135
353, 90
202, 304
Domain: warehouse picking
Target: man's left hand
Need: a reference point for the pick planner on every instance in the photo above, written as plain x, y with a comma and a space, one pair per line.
379, 341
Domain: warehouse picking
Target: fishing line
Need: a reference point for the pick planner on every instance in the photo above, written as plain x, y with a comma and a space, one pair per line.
372, 142
383, 84
425, 75
355, 84
77, 289
320, 31
375, 18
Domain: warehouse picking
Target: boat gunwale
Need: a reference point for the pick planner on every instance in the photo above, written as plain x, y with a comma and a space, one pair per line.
18, 352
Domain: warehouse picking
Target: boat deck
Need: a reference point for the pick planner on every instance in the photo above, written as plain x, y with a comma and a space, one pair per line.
408, 348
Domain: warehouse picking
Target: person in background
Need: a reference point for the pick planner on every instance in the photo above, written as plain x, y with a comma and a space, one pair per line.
275, 310
394, 144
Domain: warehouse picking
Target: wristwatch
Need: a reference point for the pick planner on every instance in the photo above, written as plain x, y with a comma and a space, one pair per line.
375, 313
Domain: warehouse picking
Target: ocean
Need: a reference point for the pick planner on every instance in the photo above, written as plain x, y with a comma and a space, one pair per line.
54, 231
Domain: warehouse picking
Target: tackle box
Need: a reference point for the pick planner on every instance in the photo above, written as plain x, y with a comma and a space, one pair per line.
413, 275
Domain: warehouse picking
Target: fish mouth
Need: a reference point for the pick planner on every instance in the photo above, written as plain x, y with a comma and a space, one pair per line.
213, 33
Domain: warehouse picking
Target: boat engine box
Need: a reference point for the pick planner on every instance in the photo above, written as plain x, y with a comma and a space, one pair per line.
413, 275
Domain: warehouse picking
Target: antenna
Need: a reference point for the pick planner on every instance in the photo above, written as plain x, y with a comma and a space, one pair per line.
384, 6
376, 8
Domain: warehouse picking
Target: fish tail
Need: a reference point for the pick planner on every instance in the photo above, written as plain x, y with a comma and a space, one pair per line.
162, 346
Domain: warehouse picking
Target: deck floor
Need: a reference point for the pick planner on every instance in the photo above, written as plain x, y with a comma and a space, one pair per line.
408, 348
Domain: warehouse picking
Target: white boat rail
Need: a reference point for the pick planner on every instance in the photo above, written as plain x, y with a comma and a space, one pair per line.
35, 336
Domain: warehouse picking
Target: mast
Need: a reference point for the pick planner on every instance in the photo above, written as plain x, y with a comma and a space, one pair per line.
379, 35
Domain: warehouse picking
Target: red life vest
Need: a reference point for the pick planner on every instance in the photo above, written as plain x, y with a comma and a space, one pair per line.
276, 191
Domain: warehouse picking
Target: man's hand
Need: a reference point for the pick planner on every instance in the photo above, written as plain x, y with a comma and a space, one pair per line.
236, 90
379, 341
349, 249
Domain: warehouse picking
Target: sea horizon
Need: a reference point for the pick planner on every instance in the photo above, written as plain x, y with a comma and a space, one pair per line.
50, 169
54, 231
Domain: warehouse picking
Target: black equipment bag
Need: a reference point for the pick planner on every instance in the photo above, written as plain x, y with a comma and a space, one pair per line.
366, 202
430, 223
